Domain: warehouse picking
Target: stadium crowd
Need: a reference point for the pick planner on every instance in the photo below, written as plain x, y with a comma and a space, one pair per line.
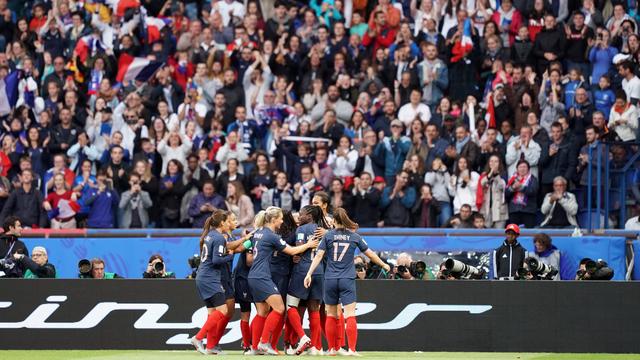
407, 113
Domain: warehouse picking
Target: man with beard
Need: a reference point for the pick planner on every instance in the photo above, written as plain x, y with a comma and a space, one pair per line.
332, 101
232, 91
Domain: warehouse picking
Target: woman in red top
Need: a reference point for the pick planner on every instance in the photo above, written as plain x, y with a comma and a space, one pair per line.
59, 202
8, 147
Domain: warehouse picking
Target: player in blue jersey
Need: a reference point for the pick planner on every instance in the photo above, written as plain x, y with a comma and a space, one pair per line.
281, 268
340, 245
264, 291
215, 253
227, 282
312, 222
241, 287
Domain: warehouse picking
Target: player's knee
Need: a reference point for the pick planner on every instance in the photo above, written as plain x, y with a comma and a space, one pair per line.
292, 301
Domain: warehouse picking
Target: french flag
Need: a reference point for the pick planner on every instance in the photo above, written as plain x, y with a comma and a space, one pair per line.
154, 27
86, 46
463, 46
136, 68
9, 88
466, 42
490, 116
121, 6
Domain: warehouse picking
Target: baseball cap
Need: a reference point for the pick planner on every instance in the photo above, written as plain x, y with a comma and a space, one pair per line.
378, 180
513, 227
396, 122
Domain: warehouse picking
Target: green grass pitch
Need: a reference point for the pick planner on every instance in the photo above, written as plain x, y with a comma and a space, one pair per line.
180, 355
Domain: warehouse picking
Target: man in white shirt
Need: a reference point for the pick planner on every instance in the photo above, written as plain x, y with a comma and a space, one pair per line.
415, 108
634, 222
630, 82
229, 9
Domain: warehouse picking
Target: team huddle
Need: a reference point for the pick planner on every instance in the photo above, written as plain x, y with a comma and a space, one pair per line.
286, 266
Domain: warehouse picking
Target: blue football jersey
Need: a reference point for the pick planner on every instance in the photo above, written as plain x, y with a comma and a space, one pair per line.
304, 234
265, 243
340, 248
214, 258
281, 262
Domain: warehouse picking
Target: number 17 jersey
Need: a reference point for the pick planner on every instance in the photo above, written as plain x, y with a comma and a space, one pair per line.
340, 247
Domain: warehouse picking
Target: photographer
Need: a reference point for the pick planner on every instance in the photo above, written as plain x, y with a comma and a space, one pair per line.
545, 252
402, 270
37, 266
156, 269
9, 246
594, 270
361, 267
134, 204
94, 269
509, 257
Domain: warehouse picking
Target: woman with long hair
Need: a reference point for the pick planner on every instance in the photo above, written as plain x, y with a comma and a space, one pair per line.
148, 183
339, 277
266, 295
36, 148
261, 179
241, 285
233, 246
213, 255
239, 203
281, 270
323, 200
463, 184
171, 190
490, 198
312, 226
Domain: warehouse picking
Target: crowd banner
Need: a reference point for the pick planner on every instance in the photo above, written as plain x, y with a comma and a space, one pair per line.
535, 316
129, 256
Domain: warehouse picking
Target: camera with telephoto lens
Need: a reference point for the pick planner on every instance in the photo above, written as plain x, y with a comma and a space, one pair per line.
194, 263
360, 267
158, 267
84, 269
536, 270
458, 269
595, 270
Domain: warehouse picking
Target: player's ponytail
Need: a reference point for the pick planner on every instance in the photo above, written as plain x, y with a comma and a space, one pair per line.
258, 221
341, 219
214, 221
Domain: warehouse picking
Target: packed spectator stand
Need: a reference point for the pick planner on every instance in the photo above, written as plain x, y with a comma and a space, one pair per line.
138, 114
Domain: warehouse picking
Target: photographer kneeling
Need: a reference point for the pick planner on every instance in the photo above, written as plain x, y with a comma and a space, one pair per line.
156, 269
37, 266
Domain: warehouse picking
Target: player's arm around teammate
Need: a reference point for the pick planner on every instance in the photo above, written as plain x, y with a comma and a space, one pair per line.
340, 276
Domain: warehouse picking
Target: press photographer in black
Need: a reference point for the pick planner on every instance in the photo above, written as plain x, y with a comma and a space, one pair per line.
156, 269
10, 245
36, 267
594, 270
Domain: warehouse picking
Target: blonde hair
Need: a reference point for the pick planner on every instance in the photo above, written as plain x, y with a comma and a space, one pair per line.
258, 221
271, 214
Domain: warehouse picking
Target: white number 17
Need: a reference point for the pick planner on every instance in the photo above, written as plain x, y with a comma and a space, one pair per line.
343, 252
